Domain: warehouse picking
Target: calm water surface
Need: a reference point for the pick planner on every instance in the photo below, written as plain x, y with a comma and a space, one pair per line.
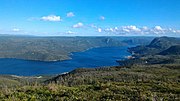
92, 58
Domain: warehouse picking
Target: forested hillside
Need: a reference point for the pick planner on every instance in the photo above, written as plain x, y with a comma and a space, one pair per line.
57, 48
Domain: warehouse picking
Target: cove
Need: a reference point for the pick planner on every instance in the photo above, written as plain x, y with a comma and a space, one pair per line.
92, 58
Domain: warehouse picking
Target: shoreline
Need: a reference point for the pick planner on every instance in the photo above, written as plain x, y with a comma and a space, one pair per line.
49, 65
69, 56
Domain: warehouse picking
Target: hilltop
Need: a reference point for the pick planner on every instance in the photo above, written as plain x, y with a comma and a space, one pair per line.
162, 50
156, 46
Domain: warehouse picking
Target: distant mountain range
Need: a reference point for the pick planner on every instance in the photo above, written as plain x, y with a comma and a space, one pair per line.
58, 48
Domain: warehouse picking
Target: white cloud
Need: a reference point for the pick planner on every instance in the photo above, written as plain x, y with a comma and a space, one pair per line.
159, 28
134, 30
70, 14
145, 28
126, 30
78, 25
95, 27
116, 28
99, 30
109, 30
131, 28
102, 18
52, 18
15, 29
70, 32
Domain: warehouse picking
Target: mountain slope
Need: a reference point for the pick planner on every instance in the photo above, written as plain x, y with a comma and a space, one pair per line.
156, 46
164, 42
50, 48
56, 48
173, 50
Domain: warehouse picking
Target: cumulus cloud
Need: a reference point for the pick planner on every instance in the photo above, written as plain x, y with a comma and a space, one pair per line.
70, 14
134, 30
96, 27
99, 30
116, 28
102, 18
109, 30
123, 30
52, 18
78, 25
15, 29
159, 28
131, 28
70, 32
145, 28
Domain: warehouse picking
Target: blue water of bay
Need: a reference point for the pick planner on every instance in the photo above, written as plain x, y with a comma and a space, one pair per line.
92, 58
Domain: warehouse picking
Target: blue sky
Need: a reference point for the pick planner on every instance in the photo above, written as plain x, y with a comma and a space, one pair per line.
90, 17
